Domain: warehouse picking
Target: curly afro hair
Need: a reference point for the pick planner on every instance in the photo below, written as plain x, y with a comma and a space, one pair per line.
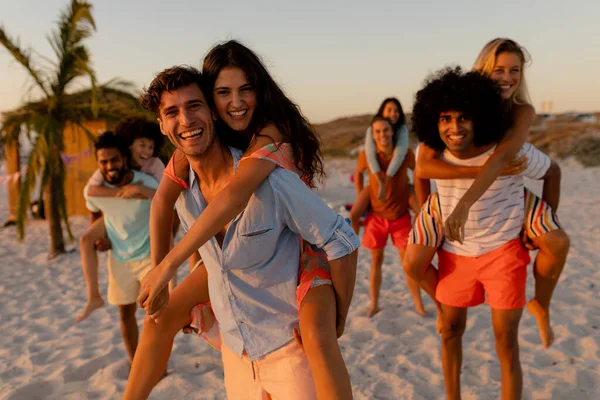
471, 93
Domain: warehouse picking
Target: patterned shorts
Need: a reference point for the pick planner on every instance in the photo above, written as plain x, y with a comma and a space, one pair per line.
428, 229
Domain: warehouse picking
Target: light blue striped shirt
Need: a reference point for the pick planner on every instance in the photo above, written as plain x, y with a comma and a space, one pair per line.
252, 280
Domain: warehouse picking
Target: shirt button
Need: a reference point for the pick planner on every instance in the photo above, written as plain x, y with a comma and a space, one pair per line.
231, 297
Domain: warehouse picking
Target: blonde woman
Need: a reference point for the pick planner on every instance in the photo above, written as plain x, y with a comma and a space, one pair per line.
503, 60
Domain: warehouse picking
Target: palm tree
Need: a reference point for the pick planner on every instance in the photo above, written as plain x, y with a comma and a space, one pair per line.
62, 103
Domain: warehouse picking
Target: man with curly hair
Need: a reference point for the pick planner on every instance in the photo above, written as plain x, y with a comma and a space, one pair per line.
462, 116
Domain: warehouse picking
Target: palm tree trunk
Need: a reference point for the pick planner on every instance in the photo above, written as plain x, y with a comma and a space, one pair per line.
13, 166
51, 196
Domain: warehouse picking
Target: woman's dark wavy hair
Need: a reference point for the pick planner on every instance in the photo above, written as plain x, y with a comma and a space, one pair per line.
402, 120
450, 89
132, 128
273, 106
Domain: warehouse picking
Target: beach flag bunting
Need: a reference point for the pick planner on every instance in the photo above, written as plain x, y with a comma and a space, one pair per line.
71, 159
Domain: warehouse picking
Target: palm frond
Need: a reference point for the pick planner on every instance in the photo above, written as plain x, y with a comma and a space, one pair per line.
75, 25
23, 57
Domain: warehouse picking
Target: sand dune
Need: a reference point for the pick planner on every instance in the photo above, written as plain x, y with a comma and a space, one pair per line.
395, 355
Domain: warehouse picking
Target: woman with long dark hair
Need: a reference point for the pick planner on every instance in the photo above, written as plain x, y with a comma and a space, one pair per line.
251, 108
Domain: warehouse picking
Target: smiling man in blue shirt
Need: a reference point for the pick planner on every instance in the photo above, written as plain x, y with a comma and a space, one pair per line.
252, 264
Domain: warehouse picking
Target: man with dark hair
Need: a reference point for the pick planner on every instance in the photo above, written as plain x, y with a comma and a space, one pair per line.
126, 222
462, 116
389, 217
252, 264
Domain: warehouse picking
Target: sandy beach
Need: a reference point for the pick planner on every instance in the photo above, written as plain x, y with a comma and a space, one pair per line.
395, 355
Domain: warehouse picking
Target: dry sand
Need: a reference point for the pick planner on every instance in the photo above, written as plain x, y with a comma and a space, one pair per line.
395, 355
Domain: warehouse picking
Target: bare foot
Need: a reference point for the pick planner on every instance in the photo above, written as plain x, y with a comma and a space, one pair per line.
373, 311
543, 322
420, 310
91, 305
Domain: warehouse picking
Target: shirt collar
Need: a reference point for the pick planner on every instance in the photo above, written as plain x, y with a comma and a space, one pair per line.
237, 155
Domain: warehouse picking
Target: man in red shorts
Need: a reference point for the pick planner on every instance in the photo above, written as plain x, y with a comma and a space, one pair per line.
462, 116
389, 217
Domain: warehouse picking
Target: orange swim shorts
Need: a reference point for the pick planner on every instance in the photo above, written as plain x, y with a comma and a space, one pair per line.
500, 274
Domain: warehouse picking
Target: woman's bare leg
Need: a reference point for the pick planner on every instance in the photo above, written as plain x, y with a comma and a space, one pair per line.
317, 325
89, 265
548, 266
156, 342
413, 288
417, 265
176, 224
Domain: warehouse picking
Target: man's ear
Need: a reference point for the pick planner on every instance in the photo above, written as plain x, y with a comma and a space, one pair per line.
160, 124
213, 115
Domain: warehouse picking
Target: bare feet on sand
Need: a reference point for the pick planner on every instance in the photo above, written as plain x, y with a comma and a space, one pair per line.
543, 322
91, 305
421, 311
372, 311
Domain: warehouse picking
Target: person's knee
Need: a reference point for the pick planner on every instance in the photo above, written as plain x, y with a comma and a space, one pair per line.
561, 244
556, 245
452, 329
127, 312
319, 334
86, 240
413, 267
507, 342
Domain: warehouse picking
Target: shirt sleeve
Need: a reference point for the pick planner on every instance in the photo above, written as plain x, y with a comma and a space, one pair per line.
89, 202
537, 162
155, 168
306, 214
399, 151
371, 152
96, 179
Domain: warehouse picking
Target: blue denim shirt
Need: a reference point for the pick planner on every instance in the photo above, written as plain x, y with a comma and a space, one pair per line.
252, 279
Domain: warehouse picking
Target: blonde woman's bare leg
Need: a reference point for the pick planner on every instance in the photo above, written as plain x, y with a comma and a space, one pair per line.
549, 263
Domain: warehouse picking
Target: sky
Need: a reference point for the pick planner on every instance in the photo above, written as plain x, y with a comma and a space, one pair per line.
333, 58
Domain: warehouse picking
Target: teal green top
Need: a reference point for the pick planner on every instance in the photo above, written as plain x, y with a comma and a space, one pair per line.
127, 221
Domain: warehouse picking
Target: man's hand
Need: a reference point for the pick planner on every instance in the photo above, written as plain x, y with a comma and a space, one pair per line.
130, 191
516, 166
455, 224
527, 242
154, 292
103, 244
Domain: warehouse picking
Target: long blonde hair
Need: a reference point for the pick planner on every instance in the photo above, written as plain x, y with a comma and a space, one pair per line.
486, 62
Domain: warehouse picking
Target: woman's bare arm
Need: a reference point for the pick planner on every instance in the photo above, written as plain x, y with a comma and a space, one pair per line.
491, 170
